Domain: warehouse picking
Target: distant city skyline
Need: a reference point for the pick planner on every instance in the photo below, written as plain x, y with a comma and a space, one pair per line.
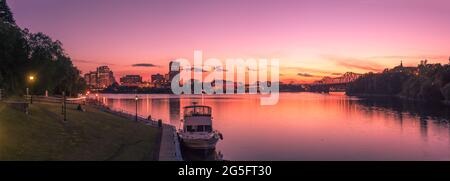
312, 39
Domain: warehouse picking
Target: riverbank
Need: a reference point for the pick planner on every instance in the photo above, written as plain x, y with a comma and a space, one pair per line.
88, 135
444, 102
169, 145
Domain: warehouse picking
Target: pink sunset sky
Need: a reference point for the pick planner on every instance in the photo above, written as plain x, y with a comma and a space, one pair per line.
312, 39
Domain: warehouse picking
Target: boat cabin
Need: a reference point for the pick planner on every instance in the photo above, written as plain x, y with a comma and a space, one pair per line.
197, 118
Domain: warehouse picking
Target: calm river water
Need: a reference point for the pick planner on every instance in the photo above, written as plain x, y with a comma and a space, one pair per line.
309, 126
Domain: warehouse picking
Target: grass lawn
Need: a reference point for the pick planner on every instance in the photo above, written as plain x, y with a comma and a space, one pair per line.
90, 135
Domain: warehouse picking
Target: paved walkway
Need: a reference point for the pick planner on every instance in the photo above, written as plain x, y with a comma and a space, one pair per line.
170, 146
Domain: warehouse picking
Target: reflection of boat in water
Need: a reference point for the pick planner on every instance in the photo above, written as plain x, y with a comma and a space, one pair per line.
197, 131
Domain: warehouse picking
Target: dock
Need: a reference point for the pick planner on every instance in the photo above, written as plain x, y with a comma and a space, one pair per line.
170, 145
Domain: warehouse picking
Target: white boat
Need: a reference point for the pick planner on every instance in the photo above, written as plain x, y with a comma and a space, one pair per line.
197, 131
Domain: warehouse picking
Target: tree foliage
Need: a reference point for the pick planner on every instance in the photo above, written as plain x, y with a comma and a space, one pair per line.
429, 82
23, 53
5, 13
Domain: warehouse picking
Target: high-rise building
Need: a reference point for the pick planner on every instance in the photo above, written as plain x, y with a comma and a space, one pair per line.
91, 79
105, 77
131, 80
102, 78
172, 74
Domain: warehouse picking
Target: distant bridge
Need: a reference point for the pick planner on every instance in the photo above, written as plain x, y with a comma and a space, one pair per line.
329, 84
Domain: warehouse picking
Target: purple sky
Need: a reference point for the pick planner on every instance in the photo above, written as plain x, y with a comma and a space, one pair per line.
309, 37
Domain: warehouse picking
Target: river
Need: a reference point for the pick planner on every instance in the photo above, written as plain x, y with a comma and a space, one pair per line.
308, 126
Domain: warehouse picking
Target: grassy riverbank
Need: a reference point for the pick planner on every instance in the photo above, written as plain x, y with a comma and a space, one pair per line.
90, 135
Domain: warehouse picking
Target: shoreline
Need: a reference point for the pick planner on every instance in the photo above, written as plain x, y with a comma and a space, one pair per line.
404, 98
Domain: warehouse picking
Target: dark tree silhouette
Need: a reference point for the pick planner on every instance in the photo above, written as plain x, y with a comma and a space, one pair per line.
429, 82
23, 53
5, 13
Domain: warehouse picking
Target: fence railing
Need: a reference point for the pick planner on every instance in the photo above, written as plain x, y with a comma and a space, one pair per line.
79, 100
125, 114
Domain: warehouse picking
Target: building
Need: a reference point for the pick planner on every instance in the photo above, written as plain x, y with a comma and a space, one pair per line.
158, 80
172, 74
131, 80
91, 79
102, 78
105, 77
405, 69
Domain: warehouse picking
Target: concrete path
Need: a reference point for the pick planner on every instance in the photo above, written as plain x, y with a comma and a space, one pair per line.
170, 146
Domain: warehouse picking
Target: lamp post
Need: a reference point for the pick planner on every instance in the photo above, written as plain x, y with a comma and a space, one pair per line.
31, 81
64, 106
136, 99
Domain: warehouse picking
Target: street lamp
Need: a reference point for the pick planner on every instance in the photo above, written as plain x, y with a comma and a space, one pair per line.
136, 100
64, 105
31, 79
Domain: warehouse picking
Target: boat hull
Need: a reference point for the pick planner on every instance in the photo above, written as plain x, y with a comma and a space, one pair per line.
200, 143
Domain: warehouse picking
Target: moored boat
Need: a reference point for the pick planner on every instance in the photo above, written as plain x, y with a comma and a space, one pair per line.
197, 131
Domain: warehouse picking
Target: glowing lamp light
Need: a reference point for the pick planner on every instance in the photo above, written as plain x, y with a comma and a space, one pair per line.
31, 78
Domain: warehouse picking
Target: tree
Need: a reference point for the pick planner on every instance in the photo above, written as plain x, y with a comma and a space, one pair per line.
446, 91
429, 82
23, 53
5, 13
13, 57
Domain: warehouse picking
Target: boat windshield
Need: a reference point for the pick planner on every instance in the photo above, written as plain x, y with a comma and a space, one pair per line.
197, 111
199, 128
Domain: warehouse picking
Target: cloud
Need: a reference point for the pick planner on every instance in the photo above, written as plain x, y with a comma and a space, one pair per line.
336, 73
91, 62
416, 57
144, 65
355, 63
304, 69
214, 68
220, 69
195, 69
251, 69
360, 66
306, 75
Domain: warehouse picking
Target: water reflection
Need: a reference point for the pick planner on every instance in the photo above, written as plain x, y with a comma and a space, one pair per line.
307, 126
426, 112
174, 110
